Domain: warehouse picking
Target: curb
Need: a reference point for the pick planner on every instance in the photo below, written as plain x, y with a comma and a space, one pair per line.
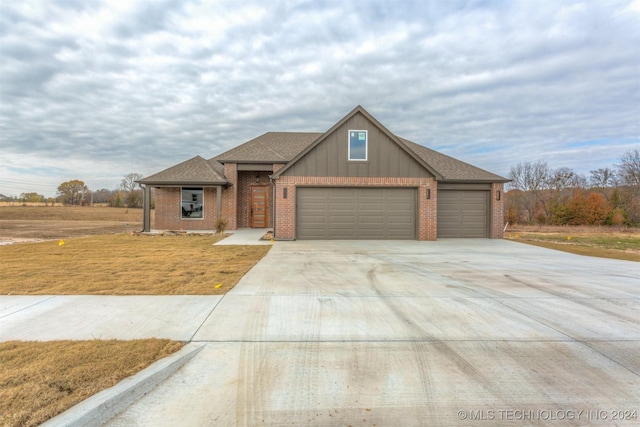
101, 407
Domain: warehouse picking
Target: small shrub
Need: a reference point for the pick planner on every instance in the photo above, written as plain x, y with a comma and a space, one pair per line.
616, 217
221, 224
512, 215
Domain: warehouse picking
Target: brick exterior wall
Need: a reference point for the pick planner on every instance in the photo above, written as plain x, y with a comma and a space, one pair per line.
230, 196
497, 211
246, 180
169, 215
282, 214
285, 227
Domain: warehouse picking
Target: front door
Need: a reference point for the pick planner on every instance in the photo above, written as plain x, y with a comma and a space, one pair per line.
258, 216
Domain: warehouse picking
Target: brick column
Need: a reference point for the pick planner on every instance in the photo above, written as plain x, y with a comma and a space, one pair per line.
428, 210
497, 211
230, 196
285, 221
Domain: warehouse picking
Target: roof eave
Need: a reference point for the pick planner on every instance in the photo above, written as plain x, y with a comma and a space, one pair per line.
184, 183
473, 181
266, 162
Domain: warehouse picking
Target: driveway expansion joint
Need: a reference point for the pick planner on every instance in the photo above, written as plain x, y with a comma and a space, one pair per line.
29, 306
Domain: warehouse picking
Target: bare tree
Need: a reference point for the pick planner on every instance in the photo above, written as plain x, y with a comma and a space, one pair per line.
629, 167
129, 183
562, 178
531, 179
133, 199
603, 178
103, 195
530, 176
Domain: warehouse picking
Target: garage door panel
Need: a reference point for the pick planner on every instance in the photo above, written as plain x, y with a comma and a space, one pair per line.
396, 221
372, 207
356, 213
462, 213
371, 221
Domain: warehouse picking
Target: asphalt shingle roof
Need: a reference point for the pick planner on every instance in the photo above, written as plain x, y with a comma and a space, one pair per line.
271, 147
282, 147
195, 171
450, 168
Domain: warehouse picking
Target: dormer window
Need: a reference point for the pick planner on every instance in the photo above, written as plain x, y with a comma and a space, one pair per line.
358, 141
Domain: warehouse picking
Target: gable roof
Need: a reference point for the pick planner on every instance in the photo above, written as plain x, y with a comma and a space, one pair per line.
271, 147
358, 110
195, 171
443, 167
289, 147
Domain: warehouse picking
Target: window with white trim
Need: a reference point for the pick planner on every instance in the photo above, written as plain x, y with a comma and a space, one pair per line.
192, 203
358, 141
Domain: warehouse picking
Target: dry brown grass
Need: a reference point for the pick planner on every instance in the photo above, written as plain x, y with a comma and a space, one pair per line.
604, 242
124, 264
61, 222
39, 380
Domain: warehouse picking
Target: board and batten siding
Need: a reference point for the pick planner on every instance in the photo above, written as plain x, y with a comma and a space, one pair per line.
385, 158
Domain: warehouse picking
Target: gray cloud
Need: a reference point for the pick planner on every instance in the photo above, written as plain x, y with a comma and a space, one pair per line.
95, 91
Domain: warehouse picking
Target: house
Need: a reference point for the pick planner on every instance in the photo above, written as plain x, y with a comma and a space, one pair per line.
355, 181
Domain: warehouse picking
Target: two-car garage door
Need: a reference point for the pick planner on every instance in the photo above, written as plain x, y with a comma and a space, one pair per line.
356, 213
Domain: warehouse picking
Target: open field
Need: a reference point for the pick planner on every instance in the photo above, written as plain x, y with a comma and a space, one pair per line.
604, 242
39, 380
33, 223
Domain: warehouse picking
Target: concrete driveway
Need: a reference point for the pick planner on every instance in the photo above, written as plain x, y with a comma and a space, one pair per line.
454, 332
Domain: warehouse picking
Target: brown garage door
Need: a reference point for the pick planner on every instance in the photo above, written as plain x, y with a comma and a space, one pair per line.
356, 213
462, 213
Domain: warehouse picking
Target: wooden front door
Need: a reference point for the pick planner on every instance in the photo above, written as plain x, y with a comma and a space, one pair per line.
258, 217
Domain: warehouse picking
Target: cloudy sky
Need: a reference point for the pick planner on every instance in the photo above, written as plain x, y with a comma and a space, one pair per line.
94, 90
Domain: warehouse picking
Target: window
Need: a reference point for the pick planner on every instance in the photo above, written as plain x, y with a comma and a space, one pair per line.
358, 145
192, 203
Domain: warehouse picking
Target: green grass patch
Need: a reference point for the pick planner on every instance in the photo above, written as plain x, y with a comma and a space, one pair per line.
615, 245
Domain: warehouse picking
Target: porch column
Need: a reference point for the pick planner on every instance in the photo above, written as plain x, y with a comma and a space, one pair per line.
146, 215
219, 200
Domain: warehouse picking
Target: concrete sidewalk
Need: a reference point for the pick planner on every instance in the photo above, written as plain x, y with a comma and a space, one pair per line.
245, 236
67, 317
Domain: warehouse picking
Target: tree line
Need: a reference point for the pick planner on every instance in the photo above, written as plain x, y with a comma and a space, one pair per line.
540, 194
76, 192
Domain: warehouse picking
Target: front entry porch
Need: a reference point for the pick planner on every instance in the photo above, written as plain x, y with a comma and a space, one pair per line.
255, 199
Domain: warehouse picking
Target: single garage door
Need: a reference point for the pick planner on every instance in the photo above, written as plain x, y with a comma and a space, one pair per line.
356, 213
462, 213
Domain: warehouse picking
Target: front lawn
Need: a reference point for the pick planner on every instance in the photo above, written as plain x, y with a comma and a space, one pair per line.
39, 380
124, 264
